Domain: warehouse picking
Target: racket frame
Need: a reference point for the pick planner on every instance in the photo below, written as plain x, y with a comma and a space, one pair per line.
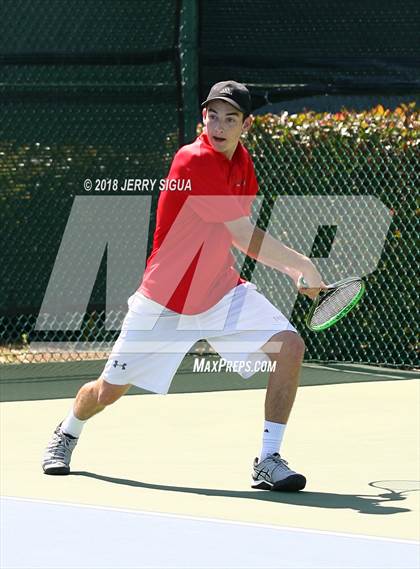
343, 312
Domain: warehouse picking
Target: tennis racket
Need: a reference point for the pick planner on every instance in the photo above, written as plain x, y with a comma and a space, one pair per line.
333, 303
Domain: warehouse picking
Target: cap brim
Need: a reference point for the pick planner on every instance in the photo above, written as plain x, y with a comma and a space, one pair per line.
233, 103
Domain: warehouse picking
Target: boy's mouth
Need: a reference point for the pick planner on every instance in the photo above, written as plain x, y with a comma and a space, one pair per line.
219, 139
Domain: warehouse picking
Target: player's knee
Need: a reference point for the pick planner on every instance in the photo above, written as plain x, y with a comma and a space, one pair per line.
290, 345
297, 345
109, 394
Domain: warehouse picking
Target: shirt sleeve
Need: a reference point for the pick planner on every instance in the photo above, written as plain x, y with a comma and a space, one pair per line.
210, 197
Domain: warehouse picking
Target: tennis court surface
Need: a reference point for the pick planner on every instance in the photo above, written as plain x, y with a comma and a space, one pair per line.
163, 481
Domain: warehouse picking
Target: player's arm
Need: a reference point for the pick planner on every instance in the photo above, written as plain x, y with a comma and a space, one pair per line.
263, 247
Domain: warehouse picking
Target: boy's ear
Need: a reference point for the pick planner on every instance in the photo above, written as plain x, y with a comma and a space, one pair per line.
247, 123
204, 113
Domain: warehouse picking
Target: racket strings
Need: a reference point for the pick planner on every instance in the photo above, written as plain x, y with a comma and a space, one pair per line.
334, 302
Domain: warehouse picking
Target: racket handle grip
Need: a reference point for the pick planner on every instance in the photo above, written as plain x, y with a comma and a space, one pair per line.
302, 282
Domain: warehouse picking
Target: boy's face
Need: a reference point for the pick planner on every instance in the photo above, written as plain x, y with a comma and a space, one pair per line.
224, 124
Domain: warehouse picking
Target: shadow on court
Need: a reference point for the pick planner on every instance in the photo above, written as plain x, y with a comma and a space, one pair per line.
378, 504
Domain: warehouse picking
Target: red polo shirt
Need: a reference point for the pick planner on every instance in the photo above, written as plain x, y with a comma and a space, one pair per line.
191, 267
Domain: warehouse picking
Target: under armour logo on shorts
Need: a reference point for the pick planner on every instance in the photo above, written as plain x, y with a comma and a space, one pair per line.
116, 364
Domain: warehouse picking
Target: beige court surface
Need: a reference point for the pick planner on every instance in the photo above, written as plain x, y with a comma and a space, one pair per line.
191, 454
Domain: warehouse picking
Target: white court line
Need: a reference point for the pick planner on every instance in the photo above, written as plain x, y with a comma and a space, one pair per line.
384, 378
206, 519
356, 372
39, 534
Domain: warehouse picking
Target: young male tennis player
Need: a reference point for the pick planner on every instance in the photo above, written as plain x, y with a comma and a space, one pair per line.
191, 291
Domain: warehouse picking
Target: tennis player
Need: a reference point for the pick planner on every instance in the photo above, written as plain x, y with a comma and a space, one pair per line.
191, 291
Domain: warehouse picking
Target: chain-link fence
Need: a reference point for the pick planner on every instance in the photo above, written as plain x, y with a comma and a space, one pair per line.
86, 95
111, 92
288, 49
348, 158
346, 155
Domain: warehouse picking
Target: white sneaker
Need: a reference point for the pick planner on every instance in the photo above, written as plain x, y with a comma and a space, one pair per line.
57, 455
273, 473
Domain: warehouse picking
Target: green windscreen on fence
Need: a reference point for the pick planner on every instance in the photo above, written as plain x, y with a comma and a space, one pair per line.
87, 95
103, 94
303, 47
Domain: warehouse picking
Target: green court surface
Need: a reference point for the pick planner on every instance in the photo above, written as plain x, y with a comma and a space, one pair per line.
189, 453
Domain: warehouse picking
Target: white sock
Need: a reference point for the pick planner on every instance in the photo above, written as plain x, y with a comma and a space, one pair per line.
272, 438
72, 425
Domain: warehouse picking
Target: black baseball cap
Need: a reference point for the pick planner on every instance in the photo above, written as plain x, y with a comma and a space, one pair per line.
232, 92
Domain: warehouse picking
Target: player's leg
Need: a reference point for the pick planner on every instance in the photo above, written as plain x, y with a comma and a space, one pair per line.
285, 350
143, 355
271, 472
246, 318
92, 398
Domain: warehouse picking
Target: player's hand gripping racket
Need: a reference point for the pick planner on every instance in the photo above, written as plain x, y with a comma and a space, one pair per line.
333, 302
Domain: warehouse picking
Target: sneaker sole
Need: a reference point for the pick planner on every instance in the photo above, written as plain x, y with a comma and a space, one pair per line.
292, 483
57, 470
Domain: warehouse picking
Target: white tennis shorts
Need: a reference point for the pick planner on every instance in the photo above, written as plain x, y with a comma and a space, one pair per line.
154, 340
